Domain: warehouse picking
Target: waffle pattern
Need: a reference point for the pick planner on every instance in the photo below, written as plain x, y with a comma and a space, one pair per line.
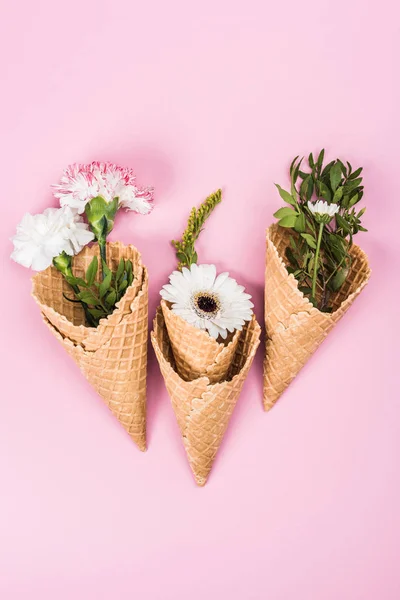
196, 353
203, 409
113, 357
294, 327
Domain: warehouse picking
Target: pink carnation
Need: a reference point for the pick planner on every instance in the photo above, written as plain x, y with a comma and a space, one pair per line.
80, 183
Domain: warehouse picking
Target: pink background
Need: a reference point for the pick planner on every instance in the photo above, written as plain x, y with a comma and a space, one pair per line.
303, 502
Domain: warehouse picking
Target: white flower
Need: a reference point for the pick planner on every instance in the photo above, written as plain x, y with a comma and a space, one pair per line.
321, 207
42, 237
80, 183
217, 304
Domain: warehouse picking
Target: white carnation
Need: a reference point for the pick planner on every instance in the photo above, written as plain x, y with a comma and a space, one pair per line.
42, 237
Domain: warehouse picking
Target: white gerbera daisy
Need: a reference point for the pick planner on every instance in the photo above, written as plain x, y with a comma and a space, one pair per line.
322, 208
41, 238
207, 301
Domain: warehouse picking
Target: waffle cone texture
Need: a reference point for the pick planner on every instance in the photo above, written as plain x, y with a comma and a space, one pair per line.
294, 327
204, 379
112, 356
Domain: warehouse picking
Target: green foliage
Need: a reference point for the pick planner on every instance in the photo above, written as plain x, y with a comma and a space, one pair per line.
319, 255
185, 248
99, 298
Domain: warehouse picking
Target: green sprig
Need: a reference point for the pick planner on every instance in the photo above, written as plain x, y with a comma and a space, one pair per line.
98, 298
185, 248
319, 252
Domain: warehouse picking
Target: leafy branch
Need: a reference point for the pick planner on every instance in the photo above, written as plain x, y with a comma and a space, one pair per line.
185, 248
319, 250
99, 298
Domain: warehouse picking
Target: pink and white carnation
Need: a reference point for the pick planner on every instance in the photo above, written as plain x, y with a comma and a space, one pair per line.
41, 238
80, 183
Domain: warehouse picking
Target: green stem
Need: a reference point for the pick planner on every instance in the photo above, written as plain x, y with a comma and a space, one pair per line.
103, 256
314, 279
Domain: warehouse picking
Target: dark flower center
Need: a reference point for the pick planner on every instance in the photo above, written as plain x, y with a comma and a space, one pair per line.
207, 304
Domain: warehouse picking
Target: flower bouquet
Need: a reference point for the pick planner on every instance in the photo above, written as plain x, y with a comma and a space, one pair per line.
94, 298
205, 337
313, 270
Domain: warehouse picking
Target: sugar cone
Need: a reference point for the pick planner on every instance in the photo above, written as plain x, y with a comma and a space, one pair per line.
113, 356
294, 327
203, 409
196, 353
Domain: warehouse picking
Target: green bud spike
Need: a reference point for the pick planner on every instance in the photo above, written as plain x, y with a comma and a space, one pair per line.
185, 250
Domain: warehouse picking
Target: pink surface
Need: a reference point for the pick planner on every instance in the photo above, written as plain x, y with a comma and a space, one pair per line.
303, 502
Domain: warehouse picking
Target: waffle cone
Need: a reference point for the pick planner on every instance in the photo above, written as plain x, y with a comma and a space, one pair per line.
113, 356
295, 328
195, 352
202, 408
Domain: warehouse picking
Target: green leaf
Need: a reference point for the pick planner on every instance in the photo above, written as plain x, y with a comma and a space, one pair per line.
362, 228
310, 240
352, 185
293, 243
123, 286
306, 188
283, 212
181, 256
292, 165
120, 270
91, 271
106, 270
324, 191
87, 297
353, 200
105, 284
111, 298
320, 158
305, 290
342, 223
286, 196
300, 224
338, 279
356, 173
335, 176
327, 168
288, 221
76, 281
291, 258
337, 196
342, 167
311, 160
97, 313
